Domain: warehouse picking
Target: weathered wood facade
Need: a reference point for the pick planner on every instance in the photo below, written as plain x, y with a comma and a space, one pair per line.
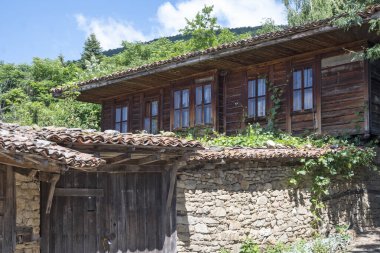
100, 212
341, 95
325, 85
7, 207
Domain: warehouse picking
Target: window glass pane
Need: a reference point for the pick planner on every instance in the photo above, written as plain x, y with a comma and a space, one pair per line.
297, 100
177, 99
261, 87
185, 98
207, 114
125, 113
154, 126
118, 114
251, 107
117, 127
124, 127
261, 106
177, 118
308, 76
185, 118
147, 124
308, 99
251, 88
297, 79
198, 115
154, 108
207, 95
198, 95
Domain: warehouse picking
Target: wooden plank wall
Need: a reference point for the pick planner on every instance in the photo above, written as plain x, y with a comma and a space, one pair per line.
341, 85
343, 96
375, 97
7, 209
131, 214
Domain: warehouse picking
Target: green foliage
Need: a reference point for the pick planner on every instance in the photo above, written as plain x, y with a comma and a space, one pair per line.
253, 136
223, 250
303, 11
249, 246
91, 49
268, 26
341, 163
202, 29
277, 248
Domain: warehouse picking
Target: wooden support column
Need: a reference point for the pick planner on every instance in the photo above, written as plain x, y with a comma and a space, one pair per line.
9, 218
288, 95
53, 182
173, 177
318, 95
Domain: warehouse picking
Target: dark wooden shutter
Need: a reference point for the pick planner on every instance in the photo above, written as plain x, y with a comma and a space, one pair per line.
7, 210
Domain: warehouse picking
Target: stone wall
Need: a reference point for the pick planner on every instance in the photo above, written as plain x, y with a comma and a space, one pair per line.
218, 206
27, 214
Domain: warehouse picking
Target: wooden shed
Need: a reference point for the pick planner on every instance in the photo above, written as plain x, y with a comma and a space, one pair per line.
100, 192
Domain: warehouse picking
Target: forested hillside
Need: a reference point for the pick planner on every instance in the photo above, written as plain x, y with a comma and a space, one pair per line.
25, 89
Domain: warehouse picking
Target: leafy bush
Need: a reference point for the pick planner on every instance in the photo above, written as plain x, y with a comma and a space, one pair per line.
249, 246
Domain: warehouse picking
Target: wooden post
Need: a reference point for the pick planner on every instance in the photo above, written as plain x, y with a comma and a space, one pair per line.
173, 177
53, 181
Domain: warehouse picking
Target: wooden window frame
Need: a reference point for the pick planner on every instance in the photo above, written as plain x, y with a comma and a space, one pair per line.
203, 104
191, 85
302, 67
117, 106
257, 77
181, 108
158, 116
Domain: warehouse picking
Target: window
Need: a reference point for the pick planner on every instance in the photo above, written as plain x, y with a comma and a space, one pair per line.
151, 117
181, 109
121, 119
303, 89
256, 97
203, 112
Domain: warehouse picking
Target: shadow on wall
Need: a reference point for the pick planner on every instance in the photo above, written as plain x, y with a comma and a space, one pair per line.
219, 205
357, 202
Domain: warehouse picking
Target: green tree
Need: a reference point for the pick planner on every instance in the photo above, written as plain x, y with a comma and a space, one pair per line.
202, 29
267, 26
91, 48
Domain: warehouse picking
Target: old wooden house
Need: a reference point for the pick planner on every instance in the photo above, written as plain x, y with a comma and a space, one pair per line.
325, 86
120, 190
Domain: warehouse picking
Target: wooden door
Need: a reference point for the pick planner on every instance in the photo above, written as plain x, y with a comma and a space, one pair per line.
128, 216
7, 210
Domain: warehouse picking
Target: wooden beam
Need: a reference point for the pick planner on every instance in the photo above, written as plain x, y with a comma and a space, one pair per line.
119, 159
148, 159
78, 192
131, 168
173, 178
20, 162
53, 183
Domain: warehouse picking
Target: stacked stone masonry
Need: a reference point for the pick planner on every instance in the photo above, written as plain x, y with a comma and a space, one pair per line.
27, 213
220, 205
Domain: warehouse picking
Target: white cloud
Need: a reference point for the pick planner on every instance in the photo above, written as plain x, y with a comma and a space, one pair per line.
230, 13
170, 17
109, 32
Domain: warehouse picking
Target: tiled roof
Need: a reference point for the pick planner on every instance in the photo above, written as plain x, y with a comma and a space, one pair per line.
234, 45
76, 135
53, 143
23, 143
256, 153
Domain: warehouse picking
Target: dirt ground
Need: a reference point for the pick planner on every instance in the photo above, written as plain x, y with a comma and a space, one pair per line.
368, 241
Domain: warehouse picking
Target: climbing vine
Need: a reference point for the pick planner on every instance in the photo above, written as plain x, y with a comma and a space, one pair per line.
275, 97
341, 163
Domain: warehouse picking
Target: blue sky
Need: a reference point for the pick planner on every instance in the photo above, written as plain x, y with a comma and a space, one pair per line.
45, 28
